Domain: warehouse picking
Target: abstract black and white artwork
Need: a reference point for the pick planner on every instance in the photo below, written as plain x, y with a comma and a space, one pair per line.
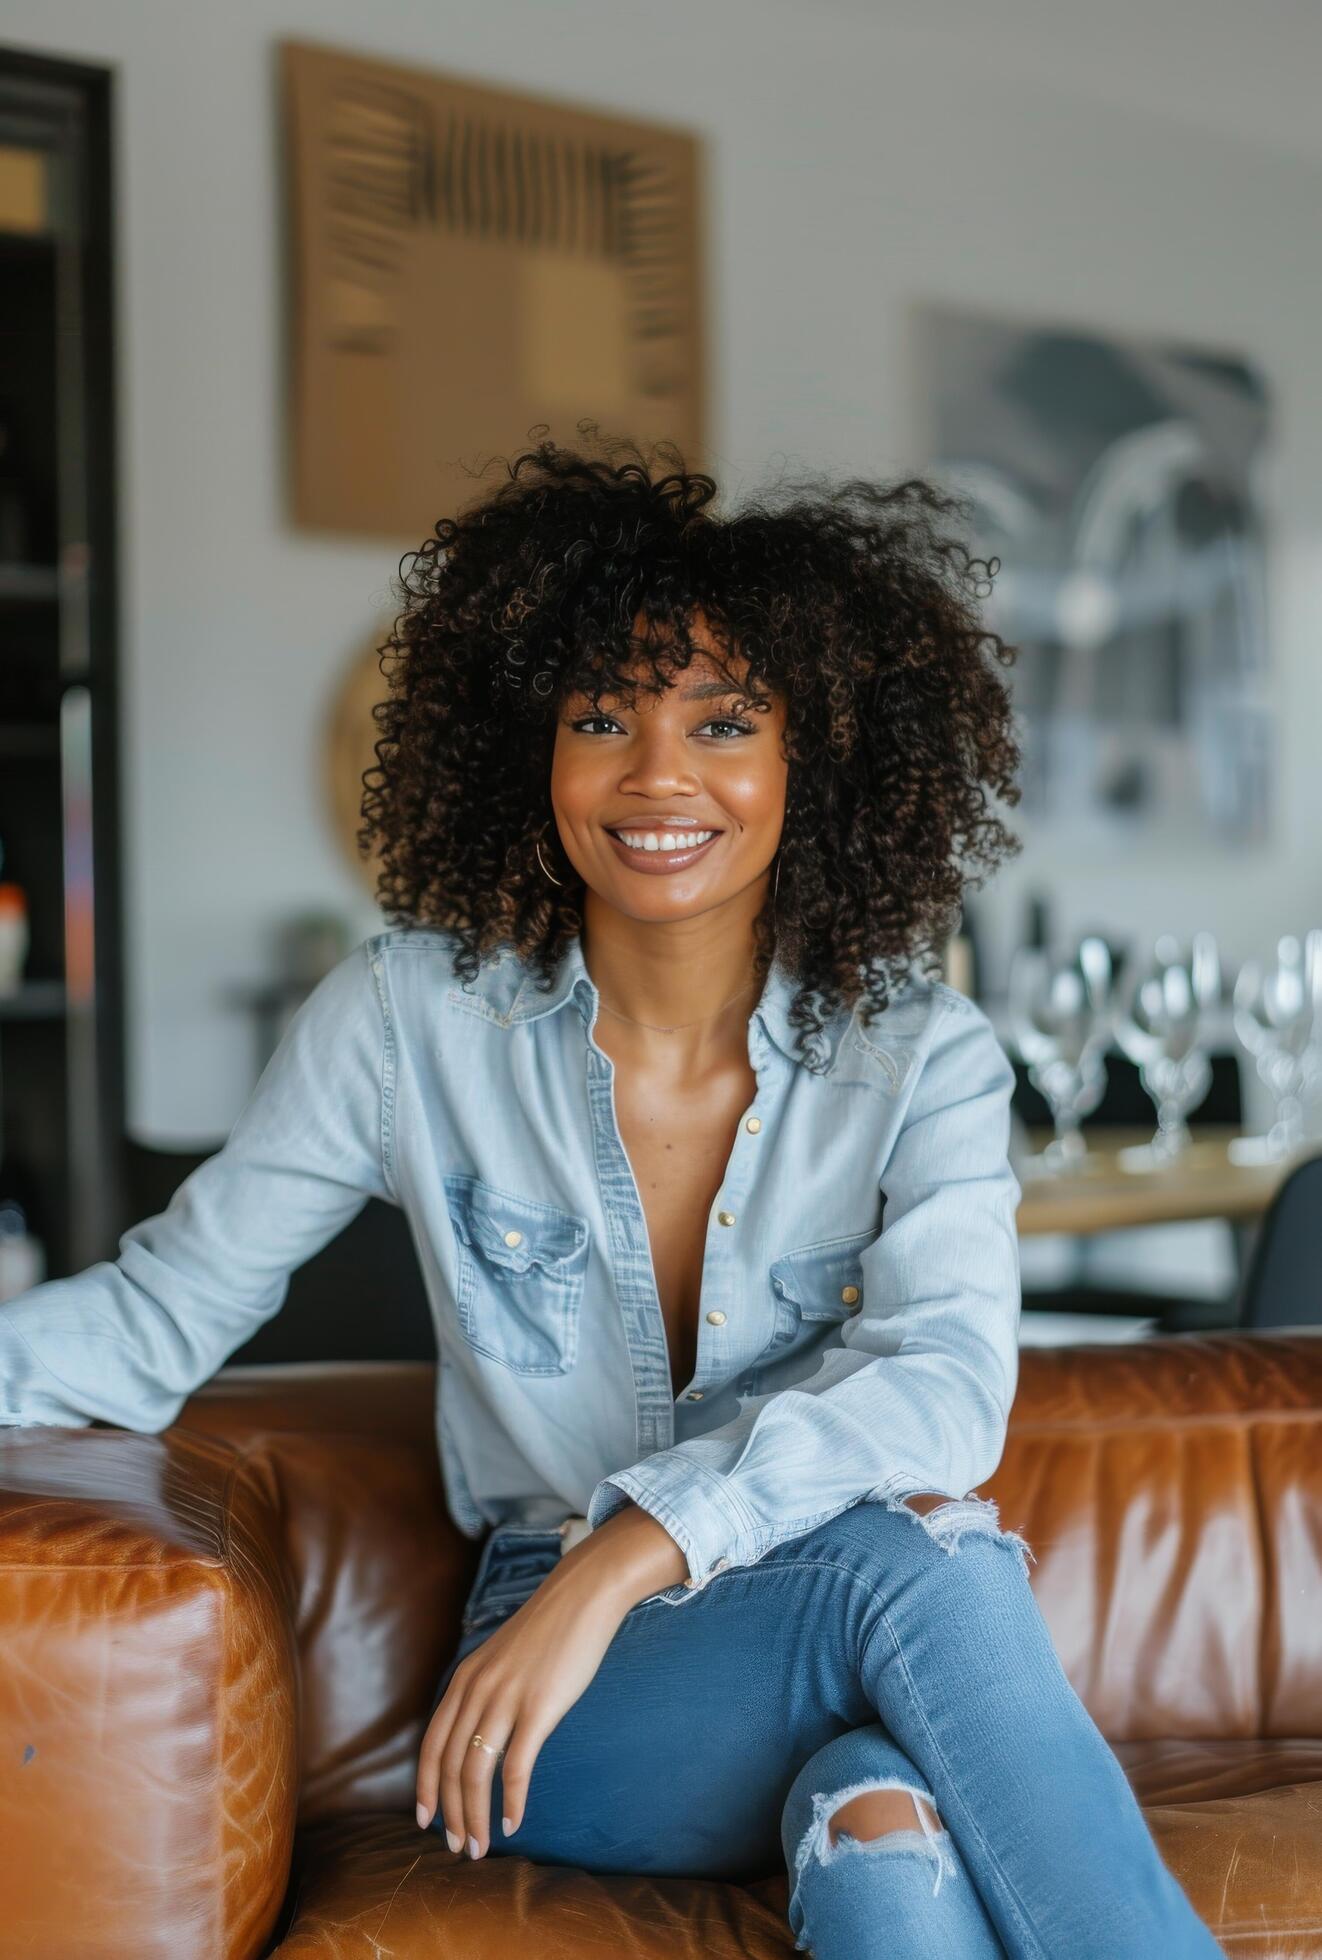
1117, 481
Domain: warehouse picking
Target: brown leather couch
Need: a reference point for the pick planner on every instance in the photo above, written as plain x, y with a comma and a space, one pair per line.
220, 1646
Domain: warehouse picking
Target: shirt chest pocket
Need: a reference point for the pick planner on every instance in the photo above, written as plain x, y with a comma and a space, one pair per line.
818, 1284
521, 1271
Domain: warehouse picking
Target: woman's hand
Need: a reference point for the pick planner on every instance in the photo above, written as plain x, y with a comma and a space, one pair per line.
515, 1687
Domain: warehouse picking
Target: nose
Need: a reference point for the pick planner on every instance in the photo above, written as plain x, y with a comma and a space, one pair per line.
657, 765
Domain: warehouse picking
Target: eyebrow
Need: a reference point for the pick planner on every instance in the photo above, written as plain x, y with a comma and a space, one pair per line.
710, 691
713, 691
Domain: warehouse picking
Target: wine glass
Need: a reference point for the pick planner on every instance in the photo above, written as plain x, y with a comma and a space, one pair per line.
1278, 1018
1059, 1022
1161, 1025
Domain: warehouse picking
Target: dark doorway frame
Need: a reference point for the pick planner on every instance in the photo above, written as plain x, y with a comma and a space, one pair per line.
70, 107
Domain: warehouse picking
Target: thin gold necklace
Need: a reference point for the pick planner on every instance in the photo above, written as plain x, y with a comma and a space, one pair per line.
679, 1024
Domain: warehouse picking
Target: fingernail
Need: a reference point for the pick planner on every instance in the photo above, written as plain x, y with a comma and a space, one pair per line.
424, 1816
473, 1851
507, 1827
453, 1839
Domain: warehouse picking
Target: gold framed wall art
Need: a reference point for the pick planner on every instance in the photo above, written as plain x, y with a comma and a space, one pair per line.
468, 263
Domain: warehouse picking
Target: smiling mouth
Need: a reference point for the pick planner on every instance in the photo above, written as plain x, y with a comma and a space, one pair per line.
656, 859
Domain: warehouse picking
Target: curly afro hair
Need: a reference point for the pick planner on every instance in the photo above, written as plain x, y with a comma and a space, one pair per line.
848, 603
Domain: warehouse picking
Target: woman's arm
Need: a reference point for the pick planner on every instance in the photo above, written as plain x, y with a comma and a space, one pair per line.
918, 1398
128, 1340
628, 1558
631, 1556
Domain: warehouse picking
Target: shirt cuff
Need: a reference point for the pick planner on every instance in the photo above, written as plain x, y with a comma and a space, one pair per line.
704, 1516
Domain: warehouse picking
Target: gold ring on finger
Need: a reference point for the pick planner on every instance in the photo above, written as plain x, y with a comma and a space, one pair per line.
490, 1747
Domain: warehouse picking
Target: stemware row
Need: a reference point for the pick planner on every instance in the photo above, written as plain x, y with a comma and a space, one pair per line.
1067, 1008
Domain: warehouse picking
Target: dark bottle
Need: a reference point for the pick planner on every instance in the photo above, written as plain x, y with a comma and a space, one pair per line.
1037, 931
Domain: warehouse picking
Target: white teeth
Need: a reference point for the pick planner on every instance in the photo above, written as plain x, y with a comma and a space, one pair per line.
665, 840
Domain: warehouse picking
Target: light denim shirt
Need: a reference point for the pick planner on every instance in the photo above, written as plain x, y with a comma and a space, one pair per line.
858, 1328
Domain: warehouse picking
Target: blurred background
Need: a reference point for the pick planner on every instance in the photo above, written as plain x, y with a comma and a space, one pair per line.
275, 281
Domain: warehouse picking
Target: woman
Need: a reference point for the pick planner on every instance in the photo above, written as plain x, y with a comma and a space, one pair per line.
707, 1173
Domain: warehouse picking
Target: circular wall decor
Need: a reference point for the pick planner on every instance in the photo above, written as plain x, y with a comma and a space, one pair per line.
350, 751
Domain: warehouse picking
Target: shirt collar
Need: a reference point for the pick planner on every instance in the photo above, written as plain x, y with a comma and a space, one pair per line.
573, 981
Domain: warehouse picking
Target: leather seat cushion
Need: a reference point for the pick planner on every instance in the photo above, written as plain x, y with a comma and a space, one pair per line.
373, 1884
1237, 1821
1218, 1767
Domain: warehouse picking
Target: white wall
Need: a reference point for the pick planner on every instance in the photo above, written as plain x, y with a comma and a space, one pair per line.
1018, 158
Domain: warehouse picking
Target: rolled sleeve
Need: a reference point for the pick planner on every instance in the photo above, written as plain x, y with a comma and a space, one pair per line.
699, 1505
918, 1396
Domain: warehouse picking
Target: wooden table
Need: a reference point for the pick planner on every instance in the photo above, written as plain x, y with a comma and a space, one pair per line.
1101, 1197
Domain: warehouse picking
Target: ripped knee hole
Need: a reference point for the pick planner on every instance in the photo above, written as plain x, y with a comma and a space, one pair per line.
878, 1812
947, 1519
884, 1815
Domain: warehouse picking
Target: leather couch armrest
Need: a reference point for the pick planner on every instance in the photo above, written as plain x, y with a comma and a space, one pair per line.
148, 1697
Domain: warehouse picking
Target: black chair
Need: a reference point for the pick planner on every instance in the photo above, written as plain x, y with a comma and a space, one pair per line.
1283, 1284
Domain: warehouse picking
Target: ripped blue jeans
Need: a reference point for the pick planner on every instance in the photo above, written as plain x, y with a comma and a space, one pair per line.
887, 1650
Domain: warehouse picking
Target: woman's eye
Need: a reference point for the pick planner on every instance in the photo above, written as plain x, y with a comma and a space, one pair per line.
717, 721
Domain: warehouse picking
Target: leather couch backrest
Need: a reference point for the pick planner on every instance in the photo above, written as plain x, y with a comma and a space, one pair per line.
1171, 1491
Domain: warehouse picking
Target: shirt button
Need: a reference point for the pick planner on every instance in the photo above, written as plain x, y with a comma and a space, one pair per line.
695, 1395
717, 1319
514, 1238
849, 1294
754, 1124
725, 1218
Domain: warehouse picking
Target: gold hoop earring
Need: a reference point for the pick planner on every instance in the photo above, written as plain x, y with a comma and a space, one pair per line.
541, 860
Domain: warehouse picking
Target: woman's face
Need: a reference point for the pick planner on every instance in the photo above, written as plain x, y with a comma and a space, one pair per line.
695, 759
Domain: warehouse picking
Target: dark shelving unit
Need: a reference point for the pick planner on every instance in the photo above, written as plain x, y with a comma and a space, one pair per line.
61, 1033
